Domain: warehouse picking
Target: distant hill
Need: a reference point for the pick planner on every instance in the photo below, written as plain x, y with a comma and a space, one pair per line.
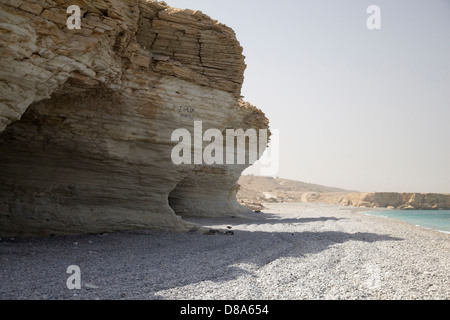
269, 184
255, 190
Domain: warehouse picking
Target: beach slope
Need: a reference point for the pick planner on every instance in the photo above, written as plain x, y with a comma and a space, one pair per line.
289, 251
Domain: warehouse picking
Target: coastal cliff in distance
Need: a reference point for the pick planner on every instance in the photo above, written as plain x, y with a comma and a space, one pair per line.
390, 200
87, 116
256, 190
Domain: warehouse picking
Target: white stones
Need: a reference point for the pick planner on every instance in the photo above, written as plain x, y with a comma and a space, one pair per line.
90, 286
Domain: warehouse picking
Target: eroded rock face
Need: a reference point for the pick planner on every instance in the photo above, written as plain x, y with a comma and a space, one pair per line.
392, 200
86, 116
418, 201
256, 190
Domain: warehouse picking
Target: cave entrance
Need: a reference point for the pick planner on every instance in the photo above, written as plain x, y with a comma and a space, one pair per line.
177, 198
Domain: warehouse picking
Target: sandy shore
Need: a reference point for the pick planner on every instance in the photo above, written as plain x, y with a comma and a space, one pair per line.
290, 251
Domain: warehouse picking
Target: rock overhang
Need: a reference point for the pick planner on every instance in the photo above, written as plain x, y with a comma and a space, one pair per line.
86, 116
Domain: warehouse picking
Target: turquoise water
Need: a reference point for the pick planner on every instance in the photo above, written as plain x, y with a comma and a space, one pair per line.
433, 219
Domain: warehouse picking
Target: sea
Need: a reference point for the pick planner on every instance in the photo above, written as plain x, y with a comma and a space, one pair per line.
432, 219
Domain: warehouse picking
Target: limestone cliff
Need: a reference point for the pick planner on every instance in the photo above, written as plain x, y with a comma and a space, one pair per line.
391, 200
418, 201
86, 115
256, 190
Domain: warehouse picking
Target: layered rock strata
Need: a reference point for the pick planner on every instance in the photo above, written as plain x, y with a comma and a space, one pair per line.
86, 116
392, 200
256, 190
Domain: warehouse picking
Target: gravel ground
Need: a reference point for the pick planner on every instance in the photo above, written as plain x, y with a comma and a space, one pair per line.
290, 251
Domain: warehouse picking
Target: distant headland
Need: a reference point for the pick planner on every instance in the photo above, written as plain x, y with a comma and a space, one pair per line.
255, 190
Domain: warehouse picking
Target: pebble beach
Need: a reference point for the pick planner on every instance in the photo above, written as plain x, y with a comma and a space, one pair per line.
287, 252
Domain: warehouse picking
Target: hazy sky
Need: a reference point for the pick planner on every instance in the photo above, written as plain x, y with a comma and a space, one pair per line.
361, 109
